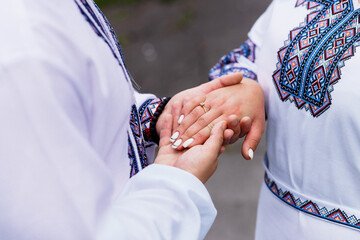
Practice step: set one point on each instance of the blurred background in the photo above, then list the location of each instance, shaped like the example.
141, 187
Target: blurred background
169, 46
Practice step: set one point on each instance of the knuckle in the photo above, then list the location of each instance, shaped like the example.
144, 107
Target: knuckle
201, 136
253, 142
187, 99
193, 115
201, 121
189, 132
186, 136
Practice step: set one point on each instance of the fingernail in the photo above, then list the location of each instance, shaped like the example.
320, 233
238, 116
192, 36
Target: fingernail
235, 123
181, 118
223, 125
174, 137
188, 142
248, 125
176, 144
251, 153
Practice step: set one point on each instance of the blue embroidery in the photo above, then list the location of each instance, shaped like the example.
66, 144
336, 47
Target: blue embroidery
309, 207
230, 63
131, 154
136, 129
309, 64
113, 34
100, 31
146, 113
247, 50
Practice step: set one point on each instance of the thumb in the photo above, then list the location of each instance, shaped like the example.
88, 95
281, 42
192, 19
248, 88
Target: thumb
224, 81
215, 141
165, 130
231, 79
252, 139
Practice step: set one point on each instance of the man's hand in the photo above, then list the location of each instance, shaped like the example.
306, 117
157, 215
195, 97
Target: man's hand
200, 160
198, 93
242, 105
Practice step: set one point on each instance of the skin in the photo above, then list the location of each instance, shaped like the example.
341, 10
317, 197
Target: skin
189, 94
241, 105
176, 103
200, 160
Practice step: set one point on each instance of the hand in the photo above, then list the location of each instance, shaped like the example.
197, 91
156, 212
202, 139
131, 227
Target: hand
201, 160
242, 105
176, 103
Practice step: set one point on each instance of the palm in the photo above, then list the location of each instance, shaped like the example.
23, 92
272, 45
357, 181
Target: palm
201, 160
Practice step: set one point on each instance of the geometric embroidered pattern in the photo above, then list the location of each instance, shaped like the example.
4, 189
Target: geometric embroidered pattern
231, 63
134, 168
113, 34
310, 62
309, 207
98, 28
146, 113
136, 129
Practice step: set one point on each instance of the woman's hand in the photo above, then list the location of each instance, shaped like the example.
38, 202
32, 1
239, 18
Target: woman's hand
175, 104
201, 160
241, 105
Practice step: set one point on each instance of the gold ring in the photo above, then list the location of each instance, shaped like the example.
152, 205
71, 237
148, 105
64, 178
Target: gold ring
202, 104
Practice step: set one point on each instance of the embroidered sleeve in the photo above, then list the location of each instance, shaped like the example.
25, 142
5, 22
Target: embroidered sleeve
240, 60
149, 111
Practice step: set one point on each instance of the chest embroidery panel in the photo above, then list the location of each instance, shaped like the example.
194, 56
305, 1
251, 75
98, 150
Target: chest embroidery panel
310, 62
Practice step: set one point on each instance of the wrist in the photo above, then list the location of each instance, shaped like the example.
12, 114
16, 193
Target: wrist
154, 136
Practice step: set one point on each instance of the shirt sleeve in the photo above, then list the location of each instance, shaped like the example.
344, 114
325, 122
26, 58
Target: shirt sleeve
243, 59
55, 185
185, 212
147, 105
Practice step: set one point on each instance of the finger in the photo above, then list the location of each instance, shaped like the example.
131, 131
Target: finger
191, 111
228, 134
200, 137
189, 106
182, 137
234, 125
188, 121
222, 149
214, 143
223, 81
175, 111
196, 121
245, 126
165, 131
252, 139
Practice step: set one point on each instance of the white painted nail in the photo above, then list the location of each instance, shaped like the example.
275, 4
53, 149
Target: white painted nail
188, 142
174, 137
181, 118
251, 153
176, 144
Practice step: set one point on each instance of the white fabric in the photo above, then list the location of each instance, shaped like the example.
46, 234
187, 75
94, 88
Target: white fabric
315, 158
292, 224
64, 167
